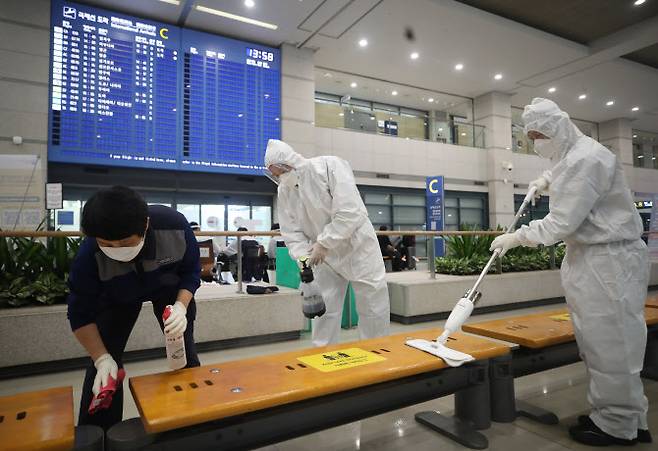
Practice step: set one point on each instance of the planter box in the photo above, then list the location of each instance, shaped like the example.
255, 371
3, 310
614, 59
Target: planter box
416, 298
34, 335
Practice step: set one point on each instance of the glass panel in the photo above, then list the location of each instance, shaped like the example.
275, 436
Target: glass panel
237, 216
212, 217
409, 200
471, 217
421, 246
451, 218
654, 157
409, 215
191, 213
450, 202
466, 202
376, 198
329, 115
261, 218
379, 214
68, 218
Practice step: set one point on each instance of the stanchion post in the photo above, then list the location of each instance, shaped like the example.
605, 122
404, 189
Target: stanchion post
240, 265
430, 257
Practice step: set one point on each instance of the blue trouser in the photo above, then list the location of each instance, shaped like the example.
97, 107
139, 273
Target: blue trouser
115, 322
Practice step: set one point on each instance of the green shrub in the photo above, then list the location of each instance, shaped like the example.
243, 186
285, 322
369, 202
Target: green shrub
34, 271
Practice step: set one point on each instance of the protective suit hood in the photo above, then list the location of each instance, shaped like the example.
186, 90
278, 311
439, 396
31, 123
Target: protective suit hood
279, 152
545, 117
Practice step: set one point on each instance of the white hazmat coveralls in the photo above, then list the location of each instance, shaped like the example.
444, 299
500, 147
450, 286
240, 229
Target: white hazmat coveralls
605, 272
325, 207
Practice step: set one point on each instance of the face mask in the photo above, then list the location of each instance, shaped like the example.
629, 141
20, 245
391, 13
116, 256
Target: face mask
289, 179
122, 254
544, 148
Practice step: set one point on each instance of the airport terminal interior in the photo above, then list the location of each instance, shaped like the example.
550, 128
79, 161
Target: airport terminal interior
328, 224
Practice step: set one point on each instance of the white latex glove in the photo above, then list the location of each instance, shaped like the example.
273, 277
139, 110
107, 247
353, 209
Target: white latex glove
177, 321
541, 184
504, 243
318, 255
105, 367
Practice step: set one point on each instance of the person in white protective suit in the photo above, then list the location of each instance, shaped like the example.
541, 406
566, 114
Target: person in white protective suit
605, 272
322, 216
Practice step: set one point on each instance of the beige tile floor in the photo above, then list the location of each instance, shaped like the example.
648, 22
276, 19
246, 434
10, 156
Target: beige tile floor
561, 390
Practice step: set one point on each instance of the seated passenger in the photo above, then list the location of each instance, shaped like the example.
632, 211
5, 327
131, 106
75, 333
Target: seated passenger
388, 250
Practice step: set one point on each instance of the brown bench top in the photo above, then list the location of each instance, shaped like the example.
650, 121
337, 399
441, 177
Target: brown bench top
652, 301
537, 330
38, 420
176, 399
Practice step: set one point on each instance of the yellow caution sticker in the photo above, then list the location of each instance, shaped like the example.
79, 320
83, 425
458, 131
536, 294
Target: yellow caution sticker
341, 359
562, 317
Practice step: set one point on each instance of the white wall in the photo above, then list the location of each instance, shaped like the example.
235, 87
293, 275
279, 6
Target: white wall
24, 61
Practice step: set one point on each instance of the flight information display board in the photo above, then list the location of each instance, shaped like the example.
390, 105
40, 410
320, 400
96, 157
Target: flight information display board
137, 93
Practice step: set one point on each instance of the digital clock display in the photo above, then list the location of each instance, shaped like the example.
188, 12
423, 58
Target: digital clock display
260, 54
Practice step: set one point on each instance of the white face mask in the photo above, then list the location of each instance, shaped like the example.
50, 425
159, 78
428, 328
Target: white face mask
122, 254
545, 148
289, 179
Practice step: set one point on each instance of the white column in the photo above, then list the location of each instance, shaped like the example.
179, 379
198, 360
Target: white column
617, 135
493, 111
297, 99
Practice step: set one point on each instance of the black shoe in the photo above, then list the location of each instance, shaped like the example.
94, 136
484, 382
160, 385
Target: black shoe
590, 434
643, 435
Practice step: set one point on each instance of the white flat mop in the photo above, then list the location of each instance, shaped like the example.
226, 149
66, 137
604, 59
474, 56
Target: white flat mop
464, 307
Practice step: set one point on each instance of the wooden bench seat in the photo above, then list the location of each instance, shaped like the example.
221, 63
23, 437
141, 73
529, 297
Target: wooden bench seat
38, 420
538, 330
173, 400
652, 301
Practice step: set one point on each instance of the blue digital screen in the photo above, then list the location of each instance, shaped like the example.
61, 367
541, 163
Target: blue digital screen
64, 217
132, 92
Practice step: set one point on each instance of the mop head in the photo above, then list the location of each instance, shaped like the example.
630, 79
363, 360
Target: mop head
450, 356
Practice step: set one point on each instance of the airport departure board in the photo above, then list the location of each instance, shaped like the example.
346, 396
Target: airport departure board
132, 92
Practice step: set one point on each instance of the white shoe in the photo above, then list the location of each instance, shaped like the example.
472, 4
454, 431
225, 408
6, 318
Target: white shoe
227, 277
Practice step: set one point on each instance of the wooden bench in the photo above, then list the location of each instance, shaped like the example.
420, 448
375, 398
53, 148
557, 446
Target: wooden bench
546, 340
262, 400
38, 420
652, 301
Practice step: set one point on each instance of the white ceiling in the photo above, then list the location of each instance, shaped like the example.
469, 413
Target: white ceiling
446, 33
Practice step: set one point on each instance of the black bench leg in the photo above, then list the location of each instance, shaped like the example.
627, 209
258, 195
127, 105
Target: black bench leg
128, 435
472, 411
89, 438
501, 383
650, 370
527, 410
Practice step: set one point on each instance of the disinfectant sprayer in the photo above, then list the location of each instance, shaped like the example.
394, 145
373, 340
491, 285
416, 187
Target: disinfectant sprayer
312, 303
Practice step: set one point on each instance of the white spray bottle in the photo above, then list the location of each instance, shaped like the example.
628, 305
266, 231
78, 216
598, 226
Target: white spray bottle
175, 345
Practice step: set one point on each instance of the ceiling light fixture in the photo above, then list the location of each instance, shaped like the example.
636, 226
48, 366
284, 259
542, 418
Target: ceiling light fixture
247, 20
552, 89
582, 97
327, 75
171, 2
634, 136
414, 55
459, 66
363, 43
610, 103
249, 3
463, 134
430, 100
635, 108
341, 114
639, 2
353, 84
394, 93
498, 77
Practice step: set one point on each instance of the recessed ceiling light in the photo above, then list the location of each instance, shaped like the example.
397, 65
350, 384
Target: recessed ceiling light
582, 97
498, 77
394, 93
327, 75
640, 156
463, 134
440, 129
249, 3
217, 12
414, 55
552, 89
171, 2
639, 2
341, 114
430, 100
635, 108
363, 43
353, 84
610, 103
634, 136
459, 66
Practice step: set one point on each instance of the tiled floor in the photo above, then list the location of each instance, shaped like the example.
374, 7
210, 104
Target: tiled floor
562, 391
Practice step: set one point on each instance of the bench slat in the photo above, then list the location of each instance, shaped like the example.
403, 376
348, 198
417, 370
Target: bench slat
176, 399
538, 330
38, 420
652, 301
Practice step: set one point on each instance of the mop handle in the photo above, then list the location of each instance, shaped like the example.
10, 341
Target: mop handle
528, 198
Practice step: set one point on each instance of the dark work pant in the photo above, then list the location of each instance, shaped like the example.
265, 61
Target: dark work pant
115, 322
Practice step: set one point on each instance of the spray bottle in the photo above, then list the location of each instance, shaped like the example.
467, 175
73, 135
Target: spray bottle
175, 345
312, 303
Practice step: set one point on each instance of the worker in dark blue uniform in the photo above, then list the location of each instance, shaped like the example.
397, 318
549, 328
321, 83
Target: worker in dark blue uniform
132, 253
